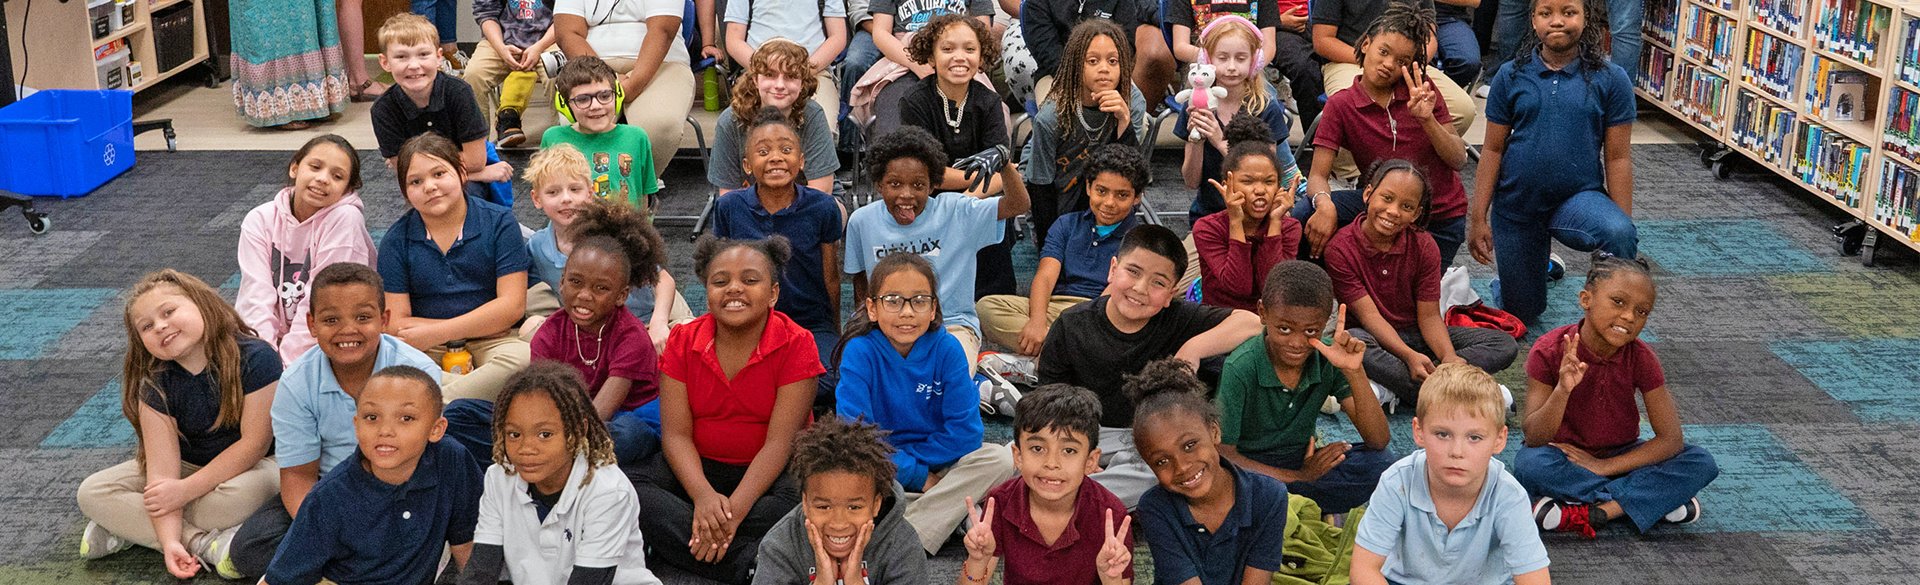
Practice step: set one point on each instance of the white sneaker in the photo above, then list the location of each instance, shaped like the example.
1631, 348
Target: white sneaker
1016, 368
218, 554
1507, 395
1483, 91
1331, 406
1388, 400
96, 542
1685, 514
997, 395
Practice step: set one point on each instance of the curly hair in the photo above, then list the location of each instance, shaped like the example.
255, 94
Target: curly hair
582, 71
1297, 283
1121, 160
776, 56
1591, 46
1381, 170
555, 163
1068, 88
1408, 20
906, 142
1061, 407
1243, 128
777, 250
920, 48
585, 433
1165, 386
221, 330
832, 444
626, 233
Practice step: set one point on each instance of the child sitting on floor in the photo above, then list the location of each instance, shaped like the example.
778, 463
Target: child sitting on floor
1239, 244
312, 223
562, 189
1232, 45
1584, 458
851, 528
1094, 103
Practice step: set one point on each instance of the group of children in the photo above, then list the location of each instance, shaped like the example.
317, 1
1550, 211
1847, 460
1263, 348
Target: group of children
466, 402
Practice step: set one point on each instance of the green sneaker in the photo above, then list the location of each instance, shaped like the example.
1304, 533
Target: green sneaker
96, 542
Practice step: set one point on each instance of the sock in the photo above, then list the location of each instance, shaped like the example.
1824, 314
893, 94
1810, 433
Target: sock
1596, 516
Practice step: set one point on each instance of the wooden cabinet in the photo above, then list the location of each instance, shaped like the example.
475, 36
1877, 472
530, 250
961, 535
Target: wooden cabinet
54, 44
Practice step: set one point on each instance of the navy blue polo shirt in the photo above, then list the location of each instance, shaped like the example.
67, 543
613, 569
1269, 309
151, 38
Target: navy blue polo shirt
450, 112
812, 221
1083, 254
444, 286
1559, 119
1253, 534
354, 528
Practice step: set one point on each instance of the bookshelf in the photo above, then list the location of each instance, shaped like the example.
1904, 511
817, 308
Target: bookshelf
146, 42
1824, 93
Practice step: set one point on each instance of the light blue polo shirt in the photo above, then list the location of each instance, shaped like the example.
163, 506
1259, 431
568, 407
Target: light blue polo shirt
1496, 540
313, 417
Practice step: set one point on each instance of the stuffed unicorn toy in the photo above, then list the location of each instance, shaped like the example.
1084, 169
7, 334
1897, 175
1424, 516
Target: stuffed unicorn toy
1200, 92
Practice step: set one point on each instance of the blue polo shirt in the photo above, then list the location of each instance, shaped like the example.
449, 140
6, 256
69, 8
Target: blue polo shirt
444, 286
1495, 541
354, 528
812, 221
1252, 535
313, 417
1083, 254
1560, 119
547, 264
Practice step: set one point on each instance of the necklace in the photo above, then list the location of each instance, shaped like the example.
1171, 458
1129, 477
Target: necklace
1091, 129
959, 111
599, 348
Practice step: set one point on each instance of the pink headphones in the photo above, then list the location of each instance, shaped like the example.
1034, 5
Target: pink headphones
1259, 54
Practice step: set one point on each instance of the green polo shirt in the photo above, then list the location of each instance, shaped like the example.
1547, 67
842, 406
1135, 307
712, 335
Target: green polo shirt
1264, 419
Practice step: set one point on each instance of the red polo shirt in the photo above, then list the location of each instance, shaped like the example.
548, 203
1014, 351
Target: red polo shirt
1354, 122
1232, 274
1071, 559
1397, 279
730, 416
1601, 413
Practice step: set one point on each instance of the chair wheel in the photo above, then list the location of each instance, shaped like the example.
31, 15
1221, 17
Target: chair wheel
39, 225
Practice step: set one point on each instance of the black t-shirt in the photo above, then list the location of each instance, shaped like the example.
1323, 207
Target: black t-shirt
1263, 13
983, 124
1046, 24
451, 112
1445, 13
1084, 349
1352, 16
194, 400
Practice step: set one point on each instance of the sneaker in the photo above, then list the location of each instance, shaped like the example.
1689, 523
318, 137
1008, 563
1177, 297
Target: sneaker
1389, 401
1483, 91
1556, 268
1556, 516
997, 395
507, 126
218, 555
1016, 368
96, 542
1331, 406
453, 63
1685, 514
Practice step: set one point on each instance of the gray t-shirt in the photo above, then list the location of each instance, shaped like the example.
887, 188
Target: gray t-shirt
729, 148
910, 15
799, 21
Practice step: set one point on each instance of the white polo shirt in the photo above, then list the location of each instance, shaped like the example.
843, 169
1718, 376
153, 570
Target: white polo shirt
593, 525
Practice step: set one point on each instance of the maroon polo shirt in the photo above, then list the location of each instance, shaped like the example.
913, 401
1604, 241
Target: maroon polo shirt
1071, 559
1232, 273
1354, 122
1397, 280
1601, 414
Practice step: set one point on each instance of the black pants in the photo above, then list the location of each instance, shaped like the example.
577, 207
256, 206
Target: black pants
993, 274
1048, 205
666, 517
255, 543
1294, 59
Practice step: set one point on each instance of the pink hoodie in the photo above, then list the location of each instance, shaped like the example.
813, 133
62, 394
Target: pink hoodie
279, 256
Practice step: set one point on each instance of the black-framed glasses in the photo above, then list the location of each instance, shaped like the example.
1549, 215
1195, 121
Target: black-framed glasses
898, 304
604, 96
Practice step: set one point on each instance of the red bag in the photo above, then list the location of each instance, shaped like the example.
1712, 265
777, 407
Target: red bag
1478, 314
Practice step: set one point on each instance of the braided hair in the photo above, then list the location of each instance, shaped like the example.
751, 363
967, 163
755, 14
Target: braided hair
1405, 19
1068, 88
1607, 266
585, 433
1591, 46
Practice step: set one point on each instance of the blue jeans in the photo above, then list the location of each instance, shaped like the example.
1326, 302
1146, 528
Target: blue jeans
444, 14
1586, 221
1449, 234
861, 55
1459, 54
1515, 24
470, 423
1645, 494
1347, 485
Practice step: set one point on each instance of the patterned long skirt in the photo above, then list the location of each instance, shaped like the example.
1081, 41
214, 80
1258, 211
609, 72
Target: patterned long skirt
287, 62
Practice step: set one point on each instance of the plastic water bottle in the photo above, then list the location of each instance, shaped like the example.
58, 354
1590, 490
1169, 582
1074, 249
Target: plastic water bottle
710, 89
457, 360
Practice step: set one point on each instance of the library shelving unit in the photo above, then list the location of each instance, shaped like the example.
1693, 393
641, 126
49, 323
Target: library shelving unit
107, 44
1825, 93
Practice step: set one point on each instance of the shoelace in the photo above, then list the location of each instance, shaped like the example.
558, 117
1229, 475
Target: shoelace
1574, 518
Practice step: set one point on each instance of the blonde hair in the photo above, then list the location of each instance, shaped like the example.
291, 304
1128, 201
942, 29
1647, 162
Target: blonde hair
1465, 388
1255, 102
774, 56
220, 334
407, 28
557, 163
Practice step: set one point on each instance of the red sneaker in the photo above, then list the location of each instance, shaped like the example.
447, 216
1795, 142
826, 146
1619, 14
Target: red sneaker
1557, 516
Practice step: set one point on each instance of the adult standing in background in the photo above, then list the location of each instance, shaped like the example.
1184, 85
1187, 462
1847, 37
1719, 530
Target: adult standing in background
640, 39
287, 67
353, 43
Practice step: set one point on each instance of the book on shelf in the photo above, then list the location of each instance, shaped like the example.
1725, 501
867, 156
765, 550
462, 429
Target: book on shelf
1700, 94
1829, 162
1836, 92
1907, 63
1897, 204
1655, 64
1787, 16
1772, 64
1762, 126
1852, 28
1902, 136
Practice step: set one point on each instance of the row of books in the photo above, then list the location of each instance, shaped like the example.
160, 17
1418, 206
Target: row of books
1907, 63
1897, 205
1772, 64
1662, 20
1655, 64
1833, 164
1710, 37
1837, 93
1699, 93
1903, 123
1763, 126
1787, 16
1852, 28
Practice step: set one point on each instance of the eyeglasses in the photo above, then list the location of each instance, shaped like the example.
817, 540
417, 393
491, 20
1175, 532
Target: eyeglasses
604, 96
898, 304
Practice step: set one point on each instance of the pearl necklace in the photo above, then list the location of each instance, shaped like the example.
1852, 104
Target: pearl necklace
600, 345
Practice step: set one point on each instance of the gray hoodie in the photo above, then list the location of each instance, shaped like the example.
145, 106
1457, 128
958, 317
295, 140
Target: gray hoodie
893, 555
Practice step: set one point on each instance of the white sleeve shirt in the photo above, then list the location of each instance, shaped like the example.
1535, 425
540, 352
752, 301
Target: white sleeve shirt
592, 525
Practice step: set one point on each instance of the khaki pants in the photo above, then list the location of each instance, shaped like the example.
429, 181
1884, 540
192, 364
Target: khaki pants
1003, 316
970, 342
487, 69
114, 498
542, 303
938, 511
661, 109
1193, 267
828, 96
1338, 76
494, 360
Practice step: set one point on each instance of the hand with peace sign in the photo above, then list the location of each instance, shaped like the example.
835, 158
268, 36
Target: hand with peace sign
1115, 556
1345, 352
980, 545
1572, 370
1235, 200
1420, 92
